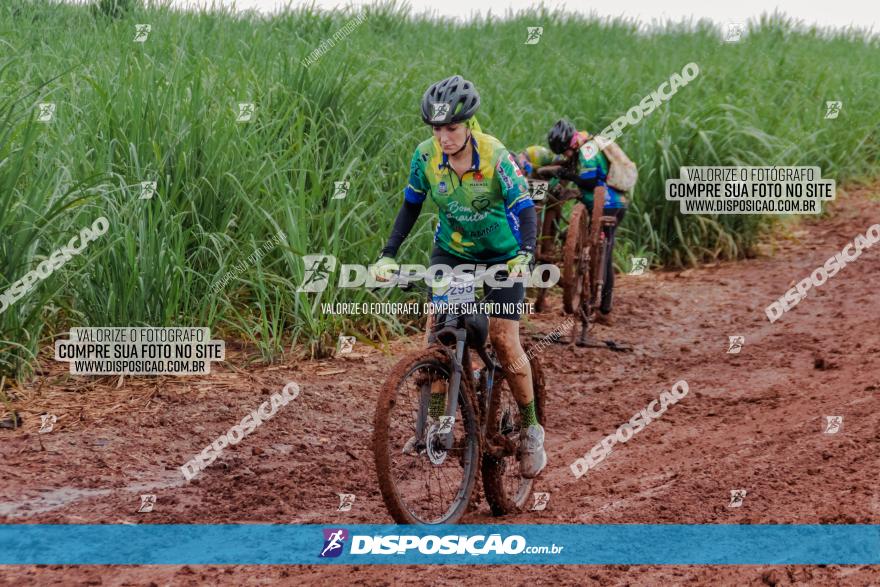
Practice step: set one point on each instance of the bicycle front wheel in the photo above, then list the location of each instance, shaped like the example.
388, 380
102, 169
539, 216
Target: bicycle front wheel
421, 481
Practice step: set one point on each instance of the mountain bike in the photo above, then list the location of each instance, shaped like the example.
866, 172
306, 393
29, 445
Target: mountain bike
585, 257
441, 423
552, 223
585, 251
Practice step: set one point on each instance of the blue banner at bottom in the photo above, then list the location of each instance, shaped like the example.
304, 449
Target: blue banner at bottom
262, 544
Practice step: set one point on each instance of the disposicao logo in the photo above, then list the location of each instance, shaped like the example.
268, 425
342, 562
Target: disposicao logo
334, 540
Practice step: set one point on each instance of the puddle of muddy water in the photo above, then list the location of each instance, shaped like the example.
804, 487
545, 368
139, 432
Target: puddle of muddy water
56, 498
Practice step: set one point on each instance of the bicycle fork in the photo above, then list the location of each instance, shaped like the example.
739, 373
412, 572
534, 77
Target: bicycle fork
454, 386
446, 436
602, 276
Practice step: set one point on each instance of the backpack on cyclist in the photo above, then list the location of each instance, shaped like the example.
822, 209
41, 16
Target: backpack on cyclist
622, 172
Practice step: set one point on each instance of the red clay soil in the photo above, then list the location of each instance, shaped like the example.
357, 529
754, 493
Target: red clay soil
751, 421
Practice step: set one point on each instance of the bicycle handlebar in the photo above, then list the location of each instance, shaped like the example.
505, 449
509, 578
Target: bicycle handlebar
408, 281
424, 275
547, 171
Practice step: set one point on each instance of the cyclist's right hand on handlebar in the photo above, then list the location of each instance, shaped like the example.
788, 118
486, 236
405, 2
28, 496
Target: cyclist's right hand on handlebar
384, 269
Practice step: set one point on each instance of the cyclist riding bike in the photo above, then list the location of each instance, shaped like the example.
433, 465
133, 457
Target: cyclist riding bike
588, 170
485, 217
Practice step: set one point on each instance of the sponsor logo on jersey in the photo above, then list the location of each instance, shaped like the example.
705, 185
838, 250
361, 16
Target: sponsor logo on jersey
480, 203
479, 183
589, 150
505, 179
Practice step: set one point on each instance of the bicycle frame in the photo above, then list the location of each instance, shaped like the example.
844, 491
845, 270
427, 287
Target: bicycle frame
461, 364
549, 217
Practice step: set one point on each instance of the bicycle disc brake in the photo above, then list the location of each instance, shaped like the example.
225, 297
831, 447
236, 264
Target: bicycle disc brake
434, 441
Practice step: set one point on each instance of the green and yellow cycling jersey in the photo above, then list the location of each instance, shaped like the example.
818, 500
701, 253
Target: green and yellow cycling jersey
535, 156
479, 212
592, 165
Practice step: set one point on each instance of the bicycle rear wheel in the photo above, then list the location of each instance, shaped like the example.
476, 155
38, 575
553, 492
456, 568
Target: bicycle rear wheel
572, 259
506, 491
427, 484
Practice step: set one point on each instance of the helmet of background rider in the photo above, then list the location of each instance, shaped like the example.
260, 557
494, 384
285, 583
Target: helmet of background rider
559, 137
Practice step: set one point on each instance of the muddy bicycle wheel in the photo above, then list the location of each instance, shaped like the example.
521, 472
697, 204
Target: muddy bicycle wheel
547, 246
593, 289
421, 481
506, 491
572, 259
597, 271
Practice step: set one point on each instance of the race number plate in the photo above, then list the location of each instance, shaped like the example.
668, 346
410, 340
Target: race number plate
460, 290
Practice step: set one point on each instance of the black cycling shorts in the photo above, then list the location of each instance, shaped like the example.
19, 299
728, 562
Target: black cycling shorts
505, 301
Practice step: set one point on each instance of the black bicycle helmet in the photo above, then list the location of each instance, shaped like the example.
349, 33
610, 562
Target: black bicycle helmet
451, 100
560, 136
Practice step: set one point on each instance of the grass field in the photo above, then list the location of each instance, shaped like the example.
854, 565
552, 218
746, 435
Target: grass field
165, 110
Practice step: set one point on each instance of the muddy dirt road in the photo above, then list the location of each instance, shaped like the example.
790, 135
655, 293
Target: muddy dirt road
752, 420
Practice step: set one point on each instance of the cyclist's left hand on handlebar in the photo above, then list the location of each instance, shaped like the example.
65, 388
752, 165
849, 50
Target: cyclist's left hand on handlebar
522, 264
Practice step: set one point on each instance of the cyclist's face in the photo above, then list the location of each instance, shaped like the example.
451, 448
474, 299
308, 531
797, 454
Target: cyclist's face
450, 136
568, 153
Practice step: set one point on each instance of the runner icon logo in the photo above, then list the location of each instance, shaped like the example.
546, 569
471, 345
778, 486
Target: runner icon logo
833, 424
639, 266
734, 32
346, 344
832, 109
317, 272
346, 500
445, 426
735, 344
334, 538
438, 111
47, 423
148, 190
245, 112
47, 111
736, 498
534, 35
340, 190
141, 32
538, 189
541, 501
147, 504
